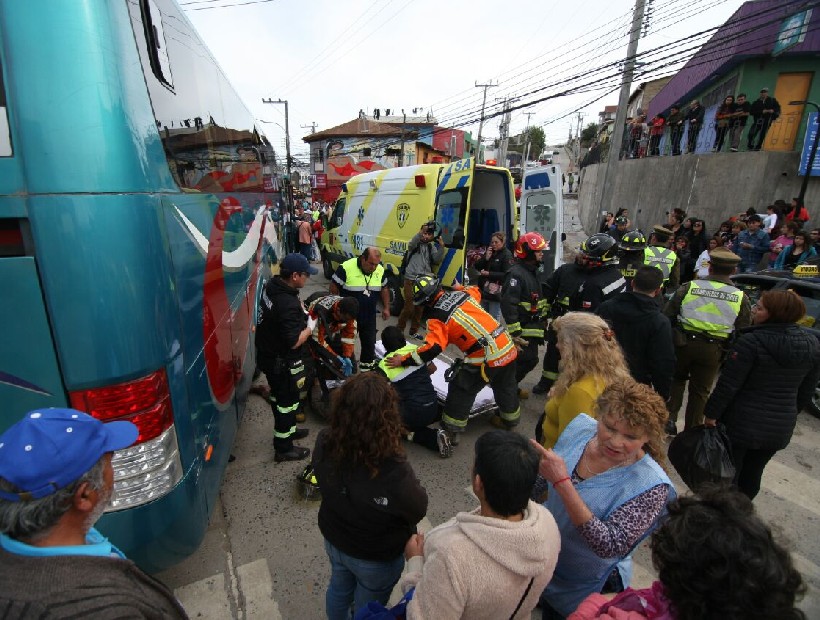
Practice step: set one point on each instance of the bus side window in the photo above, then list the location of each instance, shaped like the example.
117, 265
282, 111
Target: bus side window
155, 36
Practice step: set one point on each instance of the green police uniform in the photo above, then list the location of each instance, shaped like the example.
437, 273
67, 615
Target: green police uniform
705, 314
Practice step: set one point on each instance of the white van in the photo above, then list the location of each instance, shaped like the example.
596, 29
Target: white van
541, 210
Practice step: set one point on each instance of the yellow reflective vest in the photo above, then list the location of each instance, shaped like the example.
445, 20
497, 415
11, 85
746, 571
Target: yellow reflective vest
662, 258
710, 308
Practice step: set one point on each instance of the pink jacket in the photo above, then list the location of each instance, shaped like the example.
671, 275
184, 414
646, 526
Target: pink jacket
648, 604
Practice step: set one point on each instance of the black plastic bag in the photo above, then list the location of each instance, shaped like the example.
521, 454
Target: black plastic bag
702, 454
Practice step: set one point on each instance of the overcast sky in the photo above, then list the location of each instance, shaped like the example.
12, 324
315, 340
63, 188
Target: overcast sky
332, 59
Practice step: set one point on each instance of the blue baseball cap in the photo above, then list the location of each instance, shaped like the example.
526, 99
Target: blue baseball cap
297, 262
51, 448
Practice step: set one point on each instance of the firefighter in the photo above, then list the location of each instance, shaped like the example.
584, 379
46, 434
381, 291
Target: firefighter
335, 318
581, 287
632, 254
522, 305
364, 279
704, 314
282, 354
456, 317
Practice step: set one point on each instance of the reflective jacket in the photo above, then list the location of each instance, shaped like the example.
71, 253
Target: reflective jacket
710, 308
412, 383
523, 307
662, 258
457, 318
596, 287
367, 288
324, 309
560, 285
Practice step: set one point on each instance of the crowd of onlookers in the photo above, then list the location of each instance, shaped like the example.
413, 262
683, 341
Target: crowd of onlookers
683, 126
775, 239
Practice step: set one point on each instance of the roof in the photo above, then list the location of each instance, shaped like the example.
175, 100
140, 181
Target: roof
354, 128
752, 31
610, 108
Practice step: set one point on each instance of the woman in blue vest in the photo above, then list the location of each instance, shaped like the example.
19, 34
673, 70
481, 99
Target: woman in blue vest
607, 490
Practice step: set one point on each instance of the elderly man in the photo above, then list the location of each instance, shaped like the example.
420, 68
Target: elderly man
56, 480
364, 279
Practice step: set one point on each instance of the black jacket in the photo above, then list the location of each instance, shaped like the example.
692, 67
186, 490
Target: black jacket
645, 335
519, 303
768, 377
283, 319
368, 518
497, 265
597, 286
560, 285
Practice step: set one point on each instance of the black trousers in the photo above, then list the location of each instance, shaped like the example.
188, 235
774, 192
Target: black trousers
367, 336
467, 383
288, 381
749, 466
551, 356
526, 361
675, 135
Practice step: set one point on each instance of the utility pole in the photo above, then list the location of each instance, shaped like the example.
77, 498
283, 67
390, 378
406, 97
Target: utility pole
607, 189
578, 141
504, 129
312, 126
526, 146
289, 194
401, 152
481, 124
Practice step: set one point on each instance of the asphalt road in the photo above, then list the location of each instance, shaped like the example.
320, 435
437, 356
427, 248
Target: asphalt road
263, 555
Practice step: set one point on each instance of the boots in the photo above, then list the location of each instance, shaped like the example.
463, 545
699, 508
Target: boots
543, 386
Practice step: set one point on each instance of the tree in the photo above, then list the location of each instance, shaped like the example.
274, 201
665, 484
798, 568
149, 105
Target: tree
588, 134
535, 137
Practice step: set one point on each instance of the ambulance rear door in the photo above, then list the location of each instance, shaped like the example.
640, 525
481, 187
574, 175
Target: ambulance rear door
452, 214
542, 211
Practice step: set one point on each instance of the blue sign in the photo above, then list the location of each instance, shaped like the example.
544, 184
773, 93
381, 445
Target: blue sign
808, 140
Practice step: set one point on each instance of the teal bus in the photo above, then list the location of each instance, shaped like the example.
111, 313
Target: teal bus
135, 195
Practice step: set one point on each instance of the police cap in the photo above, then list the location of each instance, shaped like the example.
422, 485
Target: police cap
723, 257
662, 231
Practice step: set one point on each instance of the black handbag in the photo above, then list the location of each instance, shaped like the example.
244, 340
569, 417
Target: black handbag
703, 454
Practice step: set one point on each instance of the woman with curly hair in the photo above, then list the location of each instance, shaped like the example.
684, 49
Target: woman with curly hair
607, 489
591, 360
371, 498
716, 560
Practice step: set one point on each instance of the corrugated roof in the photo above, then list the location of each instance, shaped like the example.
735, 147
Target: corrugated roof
751, 31
354, 128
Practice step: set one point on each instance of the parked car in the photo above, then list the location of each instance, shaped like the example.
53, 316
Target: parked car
805, 281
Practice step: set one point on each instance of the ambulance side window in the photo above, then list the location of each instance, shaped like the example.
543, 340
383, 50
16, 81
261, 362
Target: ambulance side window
451, 211
338, 216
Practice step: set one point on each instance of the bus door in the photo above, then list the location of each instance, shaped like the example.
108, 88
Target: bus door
542, 211
452, 214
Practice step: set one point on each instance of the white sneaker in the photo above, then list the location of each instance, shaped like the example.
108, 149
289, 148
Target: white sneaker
445, 446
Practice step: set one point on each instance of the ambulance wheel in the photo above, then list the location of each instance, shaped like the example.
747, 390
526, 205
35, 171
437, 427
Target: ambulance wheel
396, 298
327, 268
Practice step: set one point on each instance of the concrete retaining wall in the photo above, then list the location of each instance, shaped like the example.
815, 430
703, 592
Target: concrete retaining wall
712, 187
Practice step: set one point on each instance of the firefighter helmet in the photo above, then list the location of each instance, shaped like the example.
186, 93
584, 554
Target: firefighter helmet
633, 240
308, 484
425, 288
528, 244
599, 249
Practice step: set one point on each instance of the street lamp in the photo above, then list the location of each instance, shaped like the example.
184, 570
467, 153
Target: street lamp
812, 153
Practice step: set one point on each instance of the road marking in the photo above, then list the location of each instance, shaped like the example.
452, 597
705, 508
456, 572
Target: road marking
256, 586
792, 486
806, 438
206, 598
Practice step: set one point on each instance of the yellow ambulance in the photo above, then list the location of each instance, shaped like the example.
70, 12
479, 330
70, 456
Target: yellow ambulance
386, 208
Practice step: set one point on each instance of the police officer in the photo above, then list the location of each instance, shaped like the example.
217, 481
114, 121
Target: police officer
595, 279
456, 317
632, 247
364, 279
705, 313
665, 259
522, 305
282, 355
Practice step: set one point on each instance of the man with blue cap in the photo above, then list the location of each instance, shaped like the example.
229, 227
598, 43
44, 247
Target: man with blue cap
56, 480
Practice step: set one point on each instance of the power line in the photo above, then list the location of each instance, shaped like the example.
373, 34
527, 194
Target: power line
223, 6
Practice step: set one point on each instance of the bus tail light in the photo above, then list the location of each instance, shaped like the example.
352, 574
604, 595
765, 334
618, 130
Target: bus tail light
151, 467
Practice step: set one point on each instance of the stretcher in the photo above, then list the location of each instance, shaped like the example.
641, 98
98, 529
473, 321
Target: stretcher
484, 400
